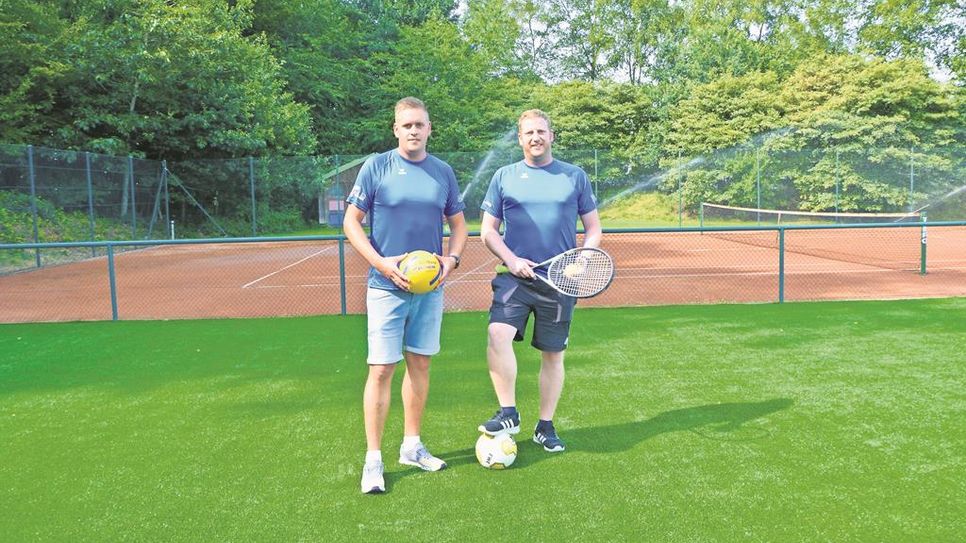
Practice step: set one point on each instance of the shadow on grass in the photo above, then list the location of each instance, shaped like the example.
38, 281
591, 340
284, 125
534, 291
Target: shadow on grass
725, 421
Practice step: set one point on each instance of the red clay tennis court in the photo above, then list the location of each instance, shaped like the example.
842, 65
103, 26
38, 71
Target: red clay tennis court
288, 278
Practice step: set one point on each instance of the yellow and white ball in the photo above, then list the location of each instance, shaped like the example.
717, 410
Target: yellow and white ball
423, 271
496, 452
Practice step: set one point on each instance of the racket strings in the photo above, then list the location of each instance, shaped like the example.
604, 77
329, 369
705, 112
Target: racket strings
581, 273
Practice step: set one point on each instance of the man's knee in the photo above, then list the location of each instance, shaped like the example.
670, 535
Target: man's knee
381, 373
500, 334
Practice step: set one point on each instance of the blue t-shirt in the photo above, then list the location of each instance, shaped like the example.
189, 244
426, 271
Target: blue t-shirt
539, 207
407, 203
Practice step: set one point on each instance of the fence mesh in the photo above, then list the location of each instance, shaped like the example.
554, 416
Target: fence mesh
324, 275
49, 195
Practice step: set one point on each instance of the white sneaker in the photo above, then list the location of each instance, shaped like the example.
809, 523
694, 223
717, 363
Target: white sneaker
418, 456
372, 479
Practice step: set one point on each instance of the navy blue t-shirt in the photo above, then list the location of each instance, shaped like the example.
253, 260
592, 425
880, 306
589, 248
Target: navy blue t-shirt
407, 203
539, 207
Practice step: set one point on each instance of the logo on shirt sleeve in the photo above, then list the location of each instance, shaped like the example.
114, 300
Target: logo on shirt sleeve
356, 193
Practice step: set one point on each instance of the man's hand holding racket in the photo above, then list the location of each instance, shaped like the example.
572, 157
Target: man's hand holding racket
522, 268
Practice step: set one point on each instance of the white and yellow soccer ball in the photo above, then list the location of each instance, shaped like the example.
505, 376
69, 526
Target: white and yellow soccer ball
423, 271
496, 452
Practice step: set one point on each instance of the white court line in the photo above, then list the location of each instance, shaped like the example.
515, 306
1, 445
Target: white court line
461, 279
623, 274
313, 255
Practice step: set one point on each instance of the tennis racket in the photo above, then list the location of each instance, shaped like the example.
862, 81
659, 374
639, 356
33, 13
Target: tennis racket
582, 273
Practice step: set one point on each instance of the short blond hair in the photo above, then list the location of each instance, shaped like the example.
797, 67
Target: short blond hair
533, 114
410, 102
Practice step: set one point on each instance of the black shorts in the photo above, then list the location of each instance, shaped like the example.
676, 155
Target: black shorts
513, 301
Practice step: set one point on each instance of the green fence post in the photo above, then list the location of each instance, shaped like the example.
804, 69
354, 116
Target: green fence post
33, 199
134, 209
781, 264
596, 192
758, 181
837, 181
90, 199
912, 178
922, 247
680, 194
251, 181
110, 275
342, 273
167, 199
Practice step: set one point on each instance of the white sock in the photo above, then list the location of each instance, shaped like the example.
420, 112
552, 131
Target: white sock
410, 442
373, 456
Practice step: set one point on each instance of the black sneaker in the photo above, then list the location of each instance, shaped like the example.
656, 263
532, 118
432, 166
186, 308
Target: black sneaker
501, 424
548, 438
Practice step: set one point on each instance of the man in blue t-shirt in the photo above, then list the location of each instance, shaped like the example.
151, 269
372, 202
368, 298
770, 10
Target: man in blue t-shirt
406, 192
538, 200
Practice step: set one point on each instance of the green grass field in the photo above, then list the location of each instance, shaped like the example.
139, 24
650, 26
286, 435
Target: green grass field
797, 422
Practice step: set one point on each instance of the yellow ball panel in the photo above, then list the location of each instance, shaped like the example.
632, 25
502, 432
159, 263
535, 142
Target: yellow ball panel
423, 271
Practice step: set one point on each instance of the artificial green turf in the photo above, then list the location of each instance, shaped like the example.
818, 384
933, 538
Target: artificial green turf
834, 421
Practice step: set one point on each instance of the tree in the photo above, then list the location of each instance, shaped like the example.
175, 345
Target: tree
912, 29
492, 29
323, 46
163, 80
469, 109
29, 68
840, 133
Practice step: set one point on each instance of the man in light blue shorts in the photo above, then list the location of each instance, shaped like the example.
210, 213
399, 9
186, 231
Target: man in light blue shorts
406, 192
538, 200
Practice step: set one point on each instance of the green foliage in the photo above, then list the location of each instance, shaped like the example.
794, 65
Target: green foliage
53, 223
640, 209
725, 112
613, 116
434, 62
163, 80
654, 83
840, 133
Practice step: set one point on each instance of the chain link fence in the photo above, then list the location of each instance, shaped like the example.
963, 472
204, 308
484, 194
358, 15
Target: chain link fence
311, 275
49, 195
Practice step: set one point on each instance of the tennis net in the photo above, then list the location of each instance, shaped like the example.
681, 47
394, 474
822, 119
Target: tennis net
729, 215
898, 248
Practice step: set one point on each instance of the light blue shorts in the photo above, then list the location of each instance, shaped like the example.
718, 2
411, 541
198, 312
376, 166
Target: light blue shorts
400, 321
